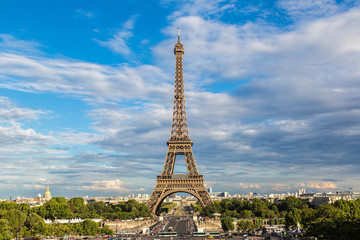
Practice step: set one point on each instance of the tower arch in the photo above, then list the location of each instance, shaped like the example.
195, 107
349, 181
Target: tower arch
188, 191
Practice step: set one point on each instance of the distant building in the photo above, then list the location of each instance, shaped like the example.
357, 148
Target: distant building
325, 198
224, 194
321, 200
173, 195
47, 195
34, 201
302, 191
219, 194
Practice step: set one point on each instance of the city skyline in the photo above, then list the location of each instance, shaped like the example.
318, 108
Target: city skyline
86, 94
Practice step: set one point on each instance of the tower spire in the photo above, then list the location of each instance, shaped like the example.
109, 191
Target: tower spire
178, 35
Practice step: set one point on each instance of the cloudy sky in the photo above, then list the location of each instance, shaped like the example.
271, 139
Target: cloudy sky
86, 91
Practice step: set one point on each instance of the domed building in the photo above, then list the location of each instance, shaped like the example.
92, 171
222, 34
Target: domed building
47, 195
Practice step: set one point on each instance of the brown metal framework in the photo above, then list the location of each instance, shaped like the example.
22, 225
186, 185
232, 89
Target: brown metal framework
179, 144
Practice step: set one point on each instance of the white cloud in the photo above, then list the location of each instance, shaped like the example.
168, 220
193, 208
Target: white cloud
248, 186
323, 185
91, 81
16, 139
200, 7
309, 8
14, 134
9, 43
34, 186
226, 52
119, 42
9, 112
108, 185
42, 180
84, 13
78, 138
280, 187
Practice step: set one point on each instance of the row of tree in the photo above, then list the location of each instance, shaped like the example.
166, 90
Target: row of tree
340, 220
59, 208
247, 225
19, 220
249, 209
167, 207
15, 223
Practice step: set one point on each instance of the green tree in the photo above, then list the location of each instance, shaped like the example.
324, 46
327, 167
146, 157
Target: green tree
197, 207
243, 225
330, 220
290, 203
41, 211
227, 224
354, 209
57, 208
62, 229
292, 218
4, 229
24, 207
98, 208
106, 230
246, 214
269, 213
5, 205
78, 207
143, 210
274, 208
253, 227
307, 217
90, 227
226, 204
342, 204
208, 210
16, 220
78, 228
258, 205
166, 207
131, 205
35, 224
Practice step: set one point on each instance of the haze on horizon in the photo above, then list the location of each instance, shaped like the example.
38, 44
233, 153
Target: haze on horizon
86, 93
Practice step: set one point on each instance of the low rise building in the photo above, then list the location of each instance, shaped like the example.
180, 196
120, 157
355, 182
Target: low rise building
35, 201
325, 198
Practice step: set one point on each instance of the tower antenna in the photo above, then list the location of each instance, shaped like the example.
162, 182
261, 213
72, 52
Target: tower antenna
178, 34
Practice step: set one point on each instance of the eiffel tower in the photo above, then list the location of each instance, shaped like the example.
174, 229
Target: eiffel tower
179, 144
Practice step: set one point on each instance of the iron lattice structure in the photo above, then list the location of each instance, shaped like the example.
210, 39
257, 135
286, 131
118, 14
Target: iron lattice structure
179, 144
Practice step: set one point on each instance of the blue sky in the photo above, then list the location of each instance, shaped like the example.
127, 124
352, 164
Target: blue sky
86, 91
